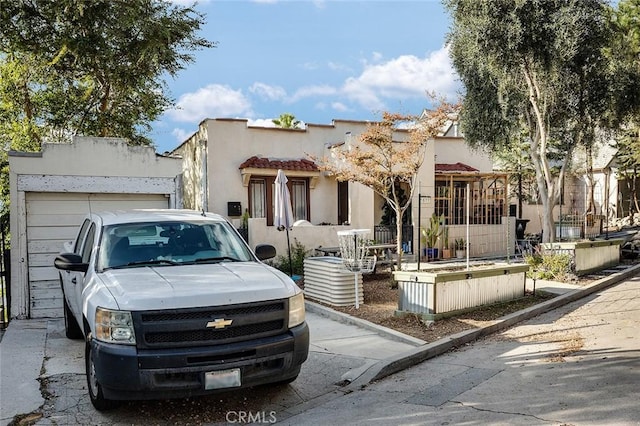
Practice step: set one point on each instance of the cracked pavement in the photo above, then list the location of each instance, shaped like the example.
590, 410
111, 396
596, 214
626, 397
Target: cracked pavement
337, 351
576, 365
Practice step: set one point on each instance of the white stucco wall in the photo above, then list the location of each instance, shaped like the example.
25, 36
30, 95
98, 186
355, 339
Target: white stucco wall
93, 156
310, 236
193, 151
450, 150
229, 142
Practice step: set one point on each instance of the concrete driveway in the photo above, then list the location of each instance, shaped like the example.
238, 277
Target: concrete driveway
43, 375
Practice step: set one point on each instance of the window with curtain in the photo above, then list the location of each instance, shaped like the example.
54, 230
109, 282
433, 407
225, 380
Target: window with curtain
257, 197
299, 199
262, 197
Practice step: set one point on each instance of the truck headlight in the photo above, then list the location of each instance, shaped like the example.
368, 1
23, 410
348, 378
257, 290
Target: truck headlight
114, 327
296, 310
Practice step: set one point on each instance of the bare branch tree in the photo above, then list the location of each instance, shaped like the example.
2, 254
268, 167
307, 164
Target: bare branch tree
380, 159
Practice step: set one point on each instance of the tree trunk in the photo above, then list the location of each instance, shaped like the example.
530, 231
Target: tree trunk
520, 194
399, 239
591, 183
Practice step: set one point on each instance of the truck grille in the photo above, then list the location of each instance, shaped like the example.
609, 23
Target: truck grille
210, 325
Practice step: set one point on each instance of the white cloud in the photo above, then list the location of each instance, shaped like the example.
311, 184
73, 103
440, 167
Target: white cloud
339, 106
261, 122
181, 135
266, 91
402, 77
212, 101
336, 66
309, 66
268, 122
319, 4
309, 91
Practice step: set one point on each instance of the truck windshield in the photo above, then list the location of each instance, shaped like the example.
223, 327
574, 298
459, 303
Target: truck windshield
170, 243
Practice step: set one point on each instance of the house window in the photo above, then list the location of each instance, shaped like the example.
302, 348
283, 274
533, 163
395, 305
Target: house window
257, 197
262, 194
299, 194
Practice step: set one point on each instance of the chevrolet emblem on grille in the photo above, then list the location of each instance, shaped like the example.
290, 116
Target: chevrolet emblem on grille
219, 323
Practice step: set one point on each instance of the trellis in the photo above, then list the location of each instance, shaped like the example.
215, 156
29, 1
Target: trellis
488, 197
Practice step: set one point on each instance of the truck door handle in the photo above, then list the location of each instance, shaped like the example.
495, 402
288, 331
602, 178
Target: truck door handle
73, 280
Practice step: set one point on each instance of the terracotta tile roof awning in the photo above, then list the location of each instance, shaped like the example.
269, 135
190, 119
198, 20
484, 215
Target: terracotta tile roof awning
269, 167
457, 167
268, 163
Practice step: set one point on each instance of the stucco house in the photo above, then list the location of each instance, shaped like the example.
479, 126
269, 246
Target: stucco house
229, 167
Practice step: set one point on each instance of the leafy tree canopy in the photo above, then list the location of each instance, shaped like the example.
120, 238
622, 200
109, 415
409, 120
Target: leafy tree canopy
96, 68
537, 66
624, 54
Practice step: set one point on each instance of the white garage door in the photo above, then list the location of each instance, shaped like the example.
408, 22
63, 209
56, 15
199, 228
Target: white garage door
52, 219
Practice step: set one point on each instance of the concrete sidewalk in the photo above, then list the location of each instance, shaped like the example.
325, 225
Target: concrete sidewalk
21, 361
32, 350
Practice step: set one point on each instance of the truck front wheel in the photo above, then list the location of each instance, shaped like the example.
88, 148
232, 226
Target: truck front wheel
98, 400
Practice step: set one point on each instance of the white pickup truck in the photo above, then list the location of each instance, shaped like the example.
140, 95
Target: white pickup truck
173, 303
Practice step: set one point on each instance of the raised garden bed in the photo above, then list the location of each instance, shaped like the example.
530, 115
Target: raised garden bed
588, 256
438, 293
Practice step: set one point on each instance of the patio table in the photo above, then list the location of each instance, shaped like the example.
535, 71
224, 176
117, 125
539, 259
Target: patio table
329, 251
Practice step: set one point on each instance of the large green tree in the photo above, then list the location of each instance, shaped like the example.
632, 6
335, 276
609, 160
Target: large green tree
537, 66
96, 68
625, 59
624, 56
628, 164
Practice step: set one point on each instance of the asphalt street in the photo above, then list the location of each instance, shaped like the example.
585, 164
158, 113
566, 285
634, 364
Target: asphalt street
576, 365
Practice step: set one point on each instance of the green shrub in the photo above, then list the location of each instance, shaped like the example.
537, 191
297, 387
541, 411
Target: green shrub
298, 253
548, 266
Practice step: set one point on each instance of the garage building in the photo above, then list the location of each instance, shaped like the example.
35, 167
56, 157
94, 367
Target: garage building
53, 189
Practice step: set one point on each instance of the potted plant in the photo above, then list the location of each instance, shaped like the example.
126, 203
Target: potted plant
430, 236
460, 247
446, 251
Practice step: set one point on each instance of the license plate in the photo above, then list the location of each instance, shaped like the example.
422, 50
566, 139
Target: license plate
222, 379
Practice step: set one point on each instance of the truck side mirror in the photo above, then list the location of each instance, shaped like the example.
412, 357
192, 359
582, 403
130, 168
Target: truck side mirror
265, 251
70, 262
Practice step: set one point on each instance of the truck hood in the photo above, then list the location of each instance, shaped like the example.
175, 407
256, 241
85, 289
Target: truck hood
185, 286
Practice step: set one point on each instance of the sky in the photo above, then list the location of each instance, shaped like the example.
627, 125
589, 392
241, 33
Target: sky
318, 60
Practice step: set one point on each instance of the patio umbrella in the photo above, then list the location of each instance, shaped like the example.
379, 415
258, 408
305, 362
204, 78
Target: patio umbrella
283, 215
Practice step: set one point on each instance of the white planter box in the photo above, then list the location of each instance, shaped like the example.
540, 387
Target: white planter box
437, 293
589, 256
326, 280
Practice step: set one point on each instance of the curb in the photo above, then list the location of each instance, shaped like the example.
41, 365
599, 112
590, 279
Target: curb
415, 356
368, 325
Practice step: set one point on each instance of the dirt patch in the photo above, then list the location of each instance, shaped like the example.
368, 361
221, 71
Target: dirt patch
381, 302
